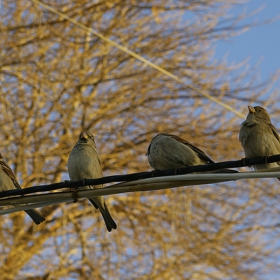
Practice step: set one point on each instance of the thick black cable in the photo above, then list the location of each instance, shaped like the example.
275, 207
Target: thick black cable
142, 175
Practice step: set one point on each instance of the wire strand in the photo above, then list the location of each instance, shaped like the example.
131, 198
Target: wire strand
139, 57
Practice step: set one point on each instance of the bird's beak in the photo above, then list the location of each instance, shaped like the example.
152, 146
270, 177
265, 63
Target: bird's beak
251, 109
83, 135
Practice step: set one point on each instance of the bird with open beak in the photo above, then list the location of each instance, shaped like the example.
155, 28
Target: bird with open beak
258, 137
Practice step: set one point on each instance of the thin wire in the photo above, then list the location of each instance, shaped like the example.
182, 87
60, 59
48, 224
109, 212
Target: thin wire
35, 205
139, 57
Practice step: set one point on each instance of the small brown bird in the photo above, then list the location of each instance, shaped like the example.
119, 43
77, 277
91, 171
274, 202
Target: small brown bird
168, 151
258, 136
84, 163
8, 181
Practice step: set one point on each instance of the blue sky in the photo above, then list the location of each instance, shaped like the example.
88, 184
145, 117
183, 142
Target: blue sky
261, 44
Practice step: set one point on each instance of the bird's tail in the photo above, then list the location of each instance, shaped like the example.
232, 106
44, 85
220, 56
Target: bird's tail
110, 223
35, 216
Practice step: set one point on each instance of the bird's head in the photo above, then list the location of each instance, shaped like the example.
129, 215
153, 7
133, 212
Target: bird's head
85, 137
258, 112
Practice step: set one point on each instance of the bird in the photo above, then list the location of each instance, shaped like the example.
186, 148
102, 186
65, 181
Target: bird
8, 181
167, 151
84, 163
259, 137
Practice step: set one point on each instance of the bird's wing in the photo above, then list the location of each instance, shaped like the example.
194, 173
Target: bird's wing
10, 173
274, 131
200, 153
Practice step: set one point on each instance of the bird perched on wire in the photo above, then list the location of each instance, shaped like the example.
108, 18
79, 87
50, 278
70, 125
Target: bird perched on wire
84, 163
258, 137
168, 151
8, 181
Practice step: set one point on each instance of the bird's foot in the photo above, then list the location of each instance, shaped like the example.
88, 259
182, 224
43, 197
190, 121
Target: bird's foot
177, 170
74, 194
244, 161
155, 173
265, 160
